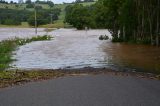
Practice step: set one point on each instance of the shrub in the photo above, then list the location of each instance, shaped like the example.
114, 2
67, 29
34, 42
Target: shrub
30, 6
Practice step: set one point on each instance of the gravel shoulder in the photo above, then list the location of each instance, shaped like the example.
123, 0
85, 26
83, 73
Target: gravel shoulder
85, 90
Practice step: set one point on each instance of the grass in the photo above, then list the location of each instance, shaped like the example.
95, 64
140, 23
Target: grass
87, 3
23, 25
21, 6
7, 46
10, 78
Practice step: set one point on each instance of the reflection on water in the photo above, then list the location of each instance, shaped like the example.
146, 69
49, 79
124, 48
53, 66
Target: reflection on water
77, 49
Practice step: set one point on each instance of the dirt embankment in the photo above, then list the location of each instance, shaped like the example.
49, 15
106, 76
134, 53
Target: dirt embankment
11, 78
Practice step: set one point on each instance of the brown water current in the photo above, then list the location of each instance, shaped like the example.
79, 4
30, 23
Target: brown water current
78, 49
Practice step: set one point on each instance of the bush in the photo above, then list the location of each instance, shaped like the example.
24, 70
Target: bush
13, 17
11, 22
40, 20
30, 6
103, 37
116, 39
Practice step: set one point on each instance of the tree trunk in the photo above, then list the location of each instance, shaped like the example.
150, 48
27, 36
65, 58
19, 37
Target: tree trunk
124, 33
157, 35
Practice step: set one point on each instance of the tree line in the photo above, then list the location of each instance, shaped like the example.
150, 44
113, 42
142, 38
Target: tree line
127, 20
5, 2
82, 1
15, 17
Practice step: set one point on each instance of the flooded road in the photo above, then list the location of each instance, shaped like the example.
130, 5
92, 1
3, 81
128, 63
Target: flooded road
7, 33
78, 49
69, 49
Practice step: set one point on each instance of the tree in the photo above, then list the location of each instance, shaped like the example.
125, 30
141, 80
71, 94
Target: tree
127, 20
50, 3
78, 1
28, 1
40, 20
11, 2
88, 0
30, 6
79, 16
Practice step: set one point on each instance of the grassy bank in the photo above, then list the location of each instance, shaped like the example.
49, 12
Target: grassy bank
11, 78
7, 46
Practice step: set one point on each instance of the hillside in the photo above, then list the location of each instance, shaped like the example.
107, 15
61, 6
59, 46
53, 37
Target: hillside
59, 23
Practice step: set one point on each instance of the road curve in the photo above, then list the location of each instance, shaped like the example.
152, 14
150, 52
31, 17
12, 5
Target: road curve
88, 90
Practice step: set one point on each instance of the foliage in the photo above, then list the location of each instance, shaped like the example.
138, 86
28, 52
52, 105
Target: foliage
13, 17
28, 1
127, 20
79, 16
43, 16
30, 6
81, 1
3, 2
103, 37
50, 3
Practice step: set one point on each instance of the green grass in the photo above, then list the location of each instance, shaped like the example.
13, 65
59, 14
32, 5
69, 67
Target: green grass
13, 6
88, 3
23, 25
7, 46
21, 6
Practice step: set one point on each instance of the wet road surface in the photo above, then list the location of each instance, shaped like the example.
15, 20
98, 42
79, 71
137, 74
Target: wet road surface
89, 90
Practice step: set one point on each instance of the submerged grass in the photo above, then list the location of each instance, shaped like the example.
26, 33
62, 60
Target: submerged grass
7, 46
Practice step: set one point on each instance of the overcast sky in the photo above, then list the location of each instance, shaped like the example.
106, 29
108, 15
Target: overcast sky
55, 1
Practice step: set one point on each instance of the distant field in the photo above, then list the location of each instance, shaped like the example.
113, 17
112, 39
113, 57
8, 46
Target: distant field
58, 24
21, 6
88, 3
13, 6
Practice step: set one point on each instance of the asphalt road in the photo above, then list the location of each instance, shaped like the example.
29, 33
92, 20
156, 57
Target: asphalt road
89, 90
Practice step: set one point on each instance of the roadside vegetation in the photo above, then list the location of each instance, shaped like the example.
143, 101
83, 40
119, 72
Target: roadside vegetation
136, 21
11, 78
8, 46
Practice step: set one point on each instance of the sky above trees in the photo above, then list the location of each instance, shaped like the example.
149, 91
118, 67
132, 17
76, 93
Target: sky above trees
55, 1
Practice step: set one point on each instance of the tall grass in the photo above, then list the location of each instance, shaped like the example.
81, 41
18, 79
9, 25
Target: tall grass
7, 46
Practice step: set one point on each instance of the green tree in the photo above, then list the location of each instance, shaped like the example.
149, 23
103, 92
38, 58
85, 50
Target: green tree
79, 16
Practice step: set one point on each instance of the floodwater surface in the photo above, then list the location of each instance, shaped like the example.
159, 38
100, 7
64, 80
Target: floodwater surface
10, 33
69, 49
78, 49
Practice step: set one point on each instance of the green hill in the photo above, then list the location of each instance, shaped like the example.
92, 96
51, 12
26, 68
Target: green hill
59, 23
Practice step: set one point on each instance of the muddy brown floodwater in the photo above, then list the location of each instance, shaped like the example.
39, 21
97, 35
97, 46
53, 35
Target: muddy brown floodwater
133, 57
78, 49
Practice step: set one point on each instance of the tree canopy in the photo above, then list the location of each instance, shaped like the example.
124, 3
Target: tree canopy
127, 20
